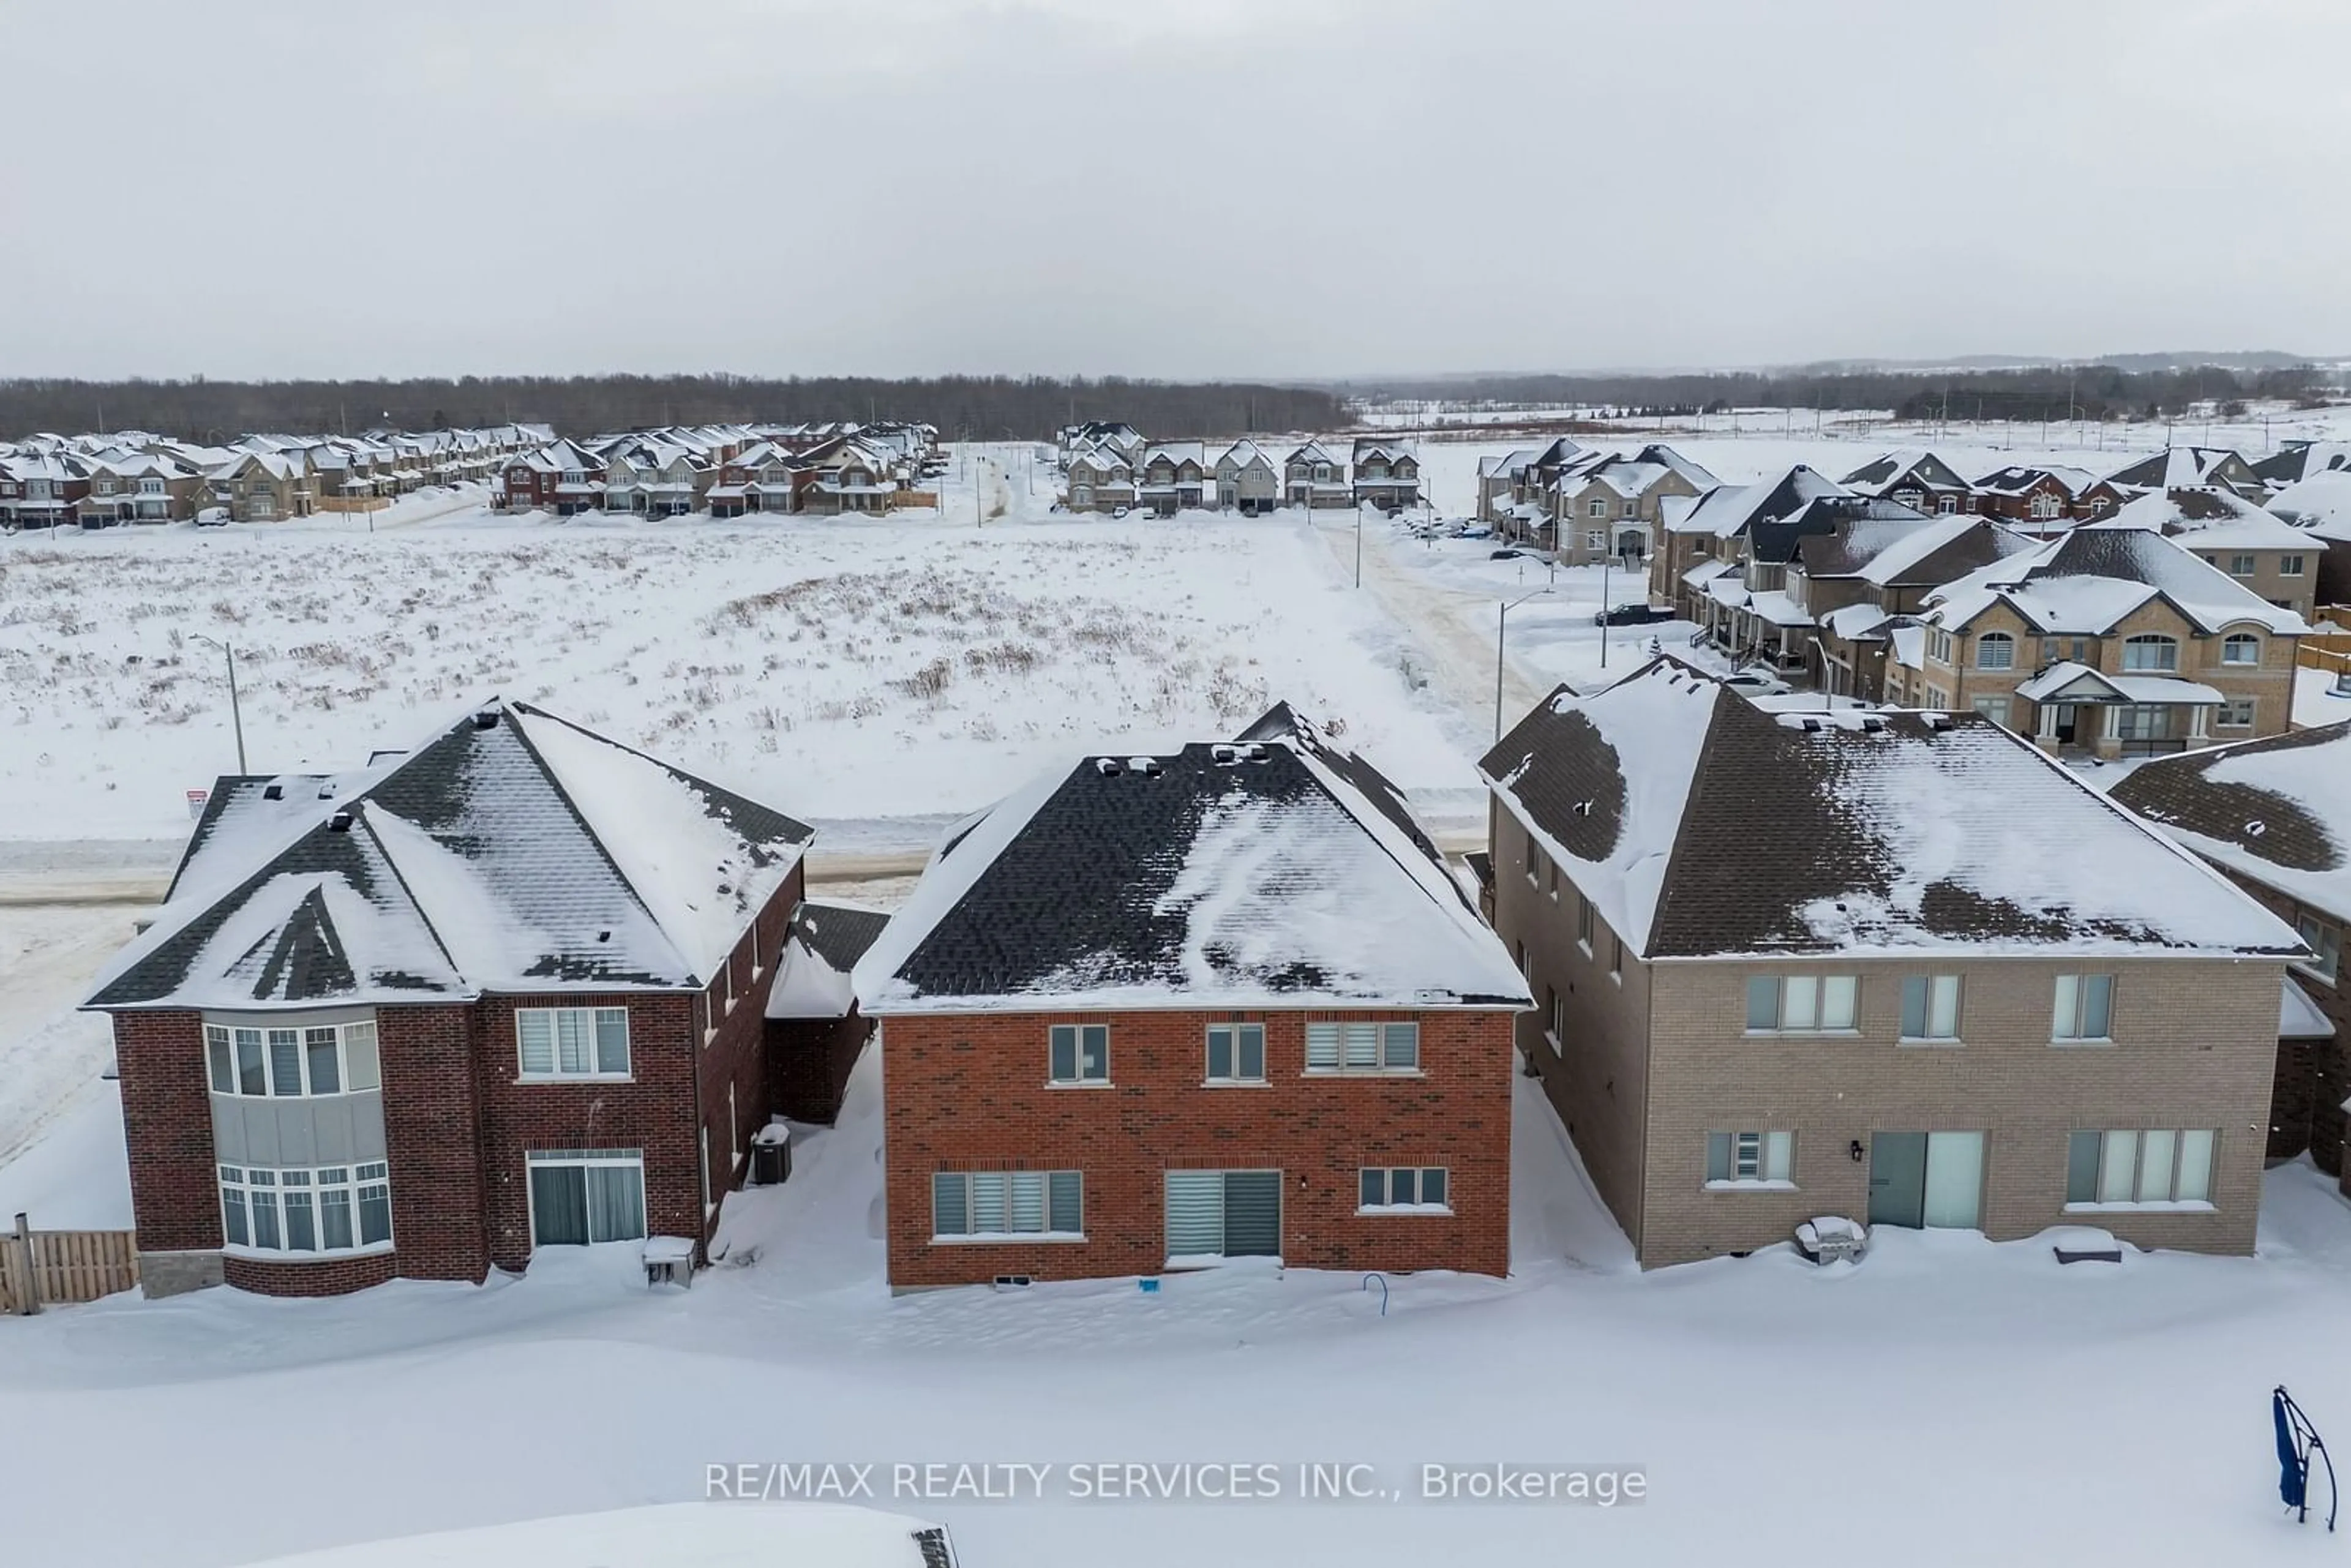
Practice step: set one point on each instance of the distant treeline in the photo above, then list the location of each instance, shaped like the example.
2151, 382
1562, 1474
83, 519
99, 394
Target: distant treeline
973, 407
2082, 391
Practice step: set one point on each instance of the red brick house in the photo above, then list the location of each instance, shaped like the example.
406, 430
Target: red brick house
501, 992
2043, 499
1164, 1012
561, 478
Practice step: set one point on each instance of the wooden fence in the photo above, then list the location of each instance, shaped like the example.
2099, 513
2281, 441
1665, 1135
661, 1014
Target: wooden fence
57, 1268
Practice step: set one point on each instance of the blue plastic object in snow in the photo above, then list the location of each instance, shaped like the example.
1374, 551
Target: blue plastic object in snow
2297, 1442
1150, 1287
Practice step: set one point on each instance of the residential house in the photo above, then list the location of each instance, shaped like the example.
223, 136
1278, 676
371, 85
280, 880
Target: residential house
1703, 572
1501, 495
850, 477
141, 487
1864, 584
2298, 460
2321, 504
2177, 468
1086, 436
1611, 507
655, 477
1174, 1011
1246, 480
1173, 477
505, 991
1916, 479
560, 477
265, 486
43, 489
764, 478
1101, 479
2265, 553
1314, 478
1899, 967
2275, 815
1387, 475
2109, 640
2045, 499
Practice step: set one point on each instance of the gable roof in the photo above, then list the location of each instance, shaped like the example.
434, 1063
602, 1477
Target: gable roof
1249, 873
2299, 460
1906, 465
2180, 467
1729, 511
2320, 503
821, 947
2277, 810
2212, 518
2088, 579
1703, 826
513, 852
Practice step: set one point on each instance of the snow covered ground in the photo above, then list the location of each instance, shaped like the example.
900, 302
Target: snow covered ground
901, 668
1973, 1402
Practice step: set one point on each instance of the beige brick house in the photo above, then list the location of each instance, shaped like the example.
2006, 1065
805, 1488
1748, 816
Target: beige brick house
2262, 552
1897, 968
1612, 505
2109, 640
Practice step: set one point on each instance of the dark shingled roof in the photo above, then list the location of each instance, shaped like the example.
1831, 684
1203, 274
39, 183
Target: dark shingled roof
837, 933
1244, 871
2280, 812
1792, 834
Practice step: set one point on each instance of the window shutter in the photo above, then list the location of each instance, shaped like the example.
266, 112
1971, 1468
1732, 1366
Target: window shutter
1321, 1045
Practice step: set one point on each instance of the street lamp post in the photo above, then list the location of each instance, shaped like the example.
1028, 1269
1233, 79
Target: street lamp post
1502, 635
235, 714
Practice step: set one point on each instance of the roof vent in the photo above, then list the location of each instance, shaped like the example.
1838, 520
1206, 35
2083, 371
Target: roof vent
1225, 756
1938, 721
1873, 727
1583, 808
1253, 752
1146, 765
327, 790
603, 936
273, 791
2256, 828
1109, 767
1811, 726
487, 719
341, 822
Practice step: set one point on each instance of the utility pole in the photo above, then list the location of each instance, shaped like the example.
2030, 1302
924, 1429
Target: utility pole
235, 713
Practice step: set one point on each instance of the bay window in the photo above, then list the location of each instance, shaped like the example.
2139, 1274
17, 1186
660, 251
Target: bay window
312, 1211
267, 1059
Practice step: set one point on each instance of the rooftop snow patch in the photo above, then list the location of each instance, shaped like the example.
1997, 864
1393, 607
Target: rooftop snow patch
2276, 811
1264, 872
1700, 826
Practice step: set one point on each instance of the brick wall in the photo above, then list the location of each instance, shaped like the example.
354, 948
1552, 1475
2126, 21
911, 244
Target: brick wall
432, 1125
167, 1126
969, 1093
2314, 1076
337, 1277
2196, 1048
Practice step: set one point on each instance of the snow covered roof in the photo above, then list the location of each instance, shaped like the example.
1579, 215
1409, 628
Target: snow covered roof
2320, 503
2206, 519
1702, 826
1273, 871
2017, 478
2068, 681
821, 947
1901, 468
1945, 548
2185, 467
512, 852
2298, 1018
2088, 579
663, 1535
1728, 511
2276, 811
2299, 460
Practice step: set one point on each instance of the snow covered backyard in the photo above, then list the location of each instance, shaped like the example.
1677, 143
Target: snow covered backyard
1978, 1403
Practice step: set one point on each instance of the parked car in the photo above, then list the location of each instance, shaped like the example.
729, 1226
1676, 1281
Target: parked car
1475, 531
212, 516
1636, 614
1758, 681
1507, 553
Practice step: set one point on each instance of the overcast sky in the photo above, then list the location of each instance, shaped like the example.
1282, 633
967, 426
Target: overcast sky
1177, 188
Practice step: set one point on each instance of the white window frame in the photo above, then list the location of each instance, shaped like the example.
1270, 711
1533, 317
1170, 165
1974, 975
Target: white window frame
1415, 1179
1361, 1048
584, 1158
2236, 640
1770, 1154
358, 1055
1939, 1017
2291, 566
1237, 1032
2235, 713
2146, 1168
1009, 1197
240, 1188
1077, 1034
2004, 643
2071, 1009
555, 1071
1586, 923
1820, 989
2155, 642
1556, 1020
1995, 709
2242, 564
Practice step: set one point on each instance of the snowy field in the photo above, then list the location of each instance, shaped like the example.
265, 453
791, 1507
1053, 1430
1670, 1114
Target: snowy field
1976, 1403
857, 670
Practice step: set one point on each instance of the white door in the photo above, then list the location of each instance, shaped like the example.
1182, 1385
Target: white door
1954, 1180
